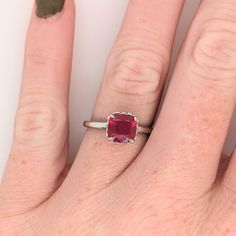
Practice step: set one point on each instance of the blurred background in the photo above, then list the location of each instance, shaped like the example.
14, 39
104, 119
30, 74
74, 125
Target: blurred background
98, 23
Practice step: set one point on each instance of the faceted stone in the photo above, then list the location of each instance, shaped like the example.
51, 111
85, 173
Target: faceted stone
122, 128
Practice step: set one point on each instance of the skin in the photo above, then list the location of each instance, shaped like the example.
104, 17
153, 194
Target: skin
177, 182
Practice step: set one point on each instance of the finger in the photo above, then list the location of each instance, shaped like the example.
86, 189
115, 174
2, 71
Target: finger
40, 143
223, 164
229, 179
132, 83
190, 133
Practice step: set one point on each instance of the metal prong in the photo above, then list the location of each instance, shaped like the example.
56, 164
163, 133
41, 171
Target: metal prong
131, 141
111, 116
110, 139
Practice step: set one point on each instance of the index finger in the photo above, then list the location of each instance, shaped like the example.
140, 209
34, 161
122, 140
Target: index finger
40, 144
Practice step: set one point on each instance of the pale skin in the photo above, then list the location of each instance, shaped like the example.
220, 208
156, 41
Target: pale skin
175, 182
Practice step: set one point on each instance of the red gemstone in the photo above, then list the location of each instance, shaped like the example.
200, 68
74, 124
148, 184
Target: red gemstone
122, 128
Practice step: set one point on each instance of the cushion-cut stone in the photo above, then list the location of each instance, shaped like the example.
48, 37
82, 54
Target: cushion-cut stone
122, 128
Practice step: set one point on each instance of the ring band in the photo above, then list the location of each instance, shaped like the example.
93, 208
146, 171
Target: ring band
103, 125
121, 127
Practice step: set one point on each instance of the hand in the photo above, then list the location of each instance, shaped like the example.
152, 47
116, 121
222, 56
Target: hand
177, 182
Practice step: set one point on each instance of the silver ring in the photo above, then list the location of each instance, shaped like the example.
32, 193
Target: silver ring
121, 127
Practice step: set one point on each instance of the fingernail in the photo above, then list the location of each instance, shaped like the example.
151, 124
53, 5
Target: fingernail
48, 8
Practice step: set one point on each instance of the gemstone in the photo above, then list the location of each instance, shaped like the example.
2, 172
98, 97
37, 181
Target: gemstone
122, 128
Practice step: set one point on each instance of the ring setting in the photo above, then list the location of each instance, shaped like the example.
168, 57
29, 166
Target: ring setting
121, 127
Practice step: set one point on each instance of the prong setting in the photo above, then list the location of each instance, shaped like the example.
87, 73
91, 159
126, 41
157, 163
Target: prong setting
122, 127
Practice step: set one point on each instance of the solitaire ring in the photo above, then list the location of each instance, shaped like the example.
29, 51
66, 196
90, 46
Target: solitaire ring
121, 127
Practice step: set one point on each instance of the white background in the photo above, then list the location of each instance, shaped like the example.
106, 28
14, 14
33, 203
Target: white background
98, 22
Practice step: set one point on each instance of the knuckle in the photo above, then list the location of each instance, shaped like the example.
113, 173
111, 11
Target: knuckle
39, 121
213, 56
137, 70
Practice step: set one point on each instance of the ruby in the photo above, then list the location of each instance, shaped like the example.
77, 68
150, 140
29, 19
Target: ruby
122, 128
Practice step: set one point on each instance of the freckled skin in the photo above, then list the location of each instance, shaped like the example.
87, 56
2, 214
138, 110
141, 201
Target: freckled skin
48, 8
23, 162
168, 187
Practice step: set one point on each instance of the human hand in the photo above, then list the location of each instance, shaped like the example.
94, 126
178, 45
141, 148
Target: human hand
177, 182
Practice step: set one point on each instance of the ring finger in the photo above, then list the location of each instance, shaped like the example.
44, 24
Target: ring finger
132, 82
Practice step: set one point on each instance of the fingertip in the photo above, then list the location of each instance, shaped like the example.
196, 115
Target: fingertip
56, 31
52, 9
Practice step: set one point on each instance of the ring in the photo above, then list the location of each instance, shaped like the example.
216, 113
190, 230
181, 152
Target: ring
121, 127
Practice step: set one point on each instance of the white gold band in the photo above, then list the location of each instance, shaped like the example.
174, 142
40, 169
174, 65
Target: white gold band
103, 125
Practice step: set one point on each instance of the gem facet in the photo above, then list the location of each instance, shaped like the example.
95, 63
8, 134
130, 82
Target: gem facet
122, 128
